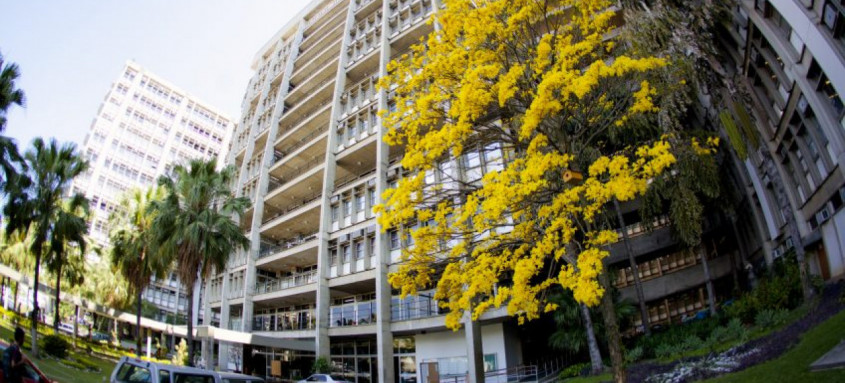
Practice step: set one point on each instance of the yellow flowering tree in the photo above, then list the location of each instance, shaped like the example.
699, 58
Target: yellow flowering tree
520, 121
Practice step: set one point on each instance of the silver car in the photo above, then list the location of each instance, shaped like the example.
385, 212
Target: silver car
324, 378
132, 370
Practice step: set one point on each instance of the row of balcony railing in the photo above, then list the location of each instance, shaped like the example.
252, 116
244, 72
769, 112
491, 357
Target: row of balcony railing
280, 246
348, 314
293, 280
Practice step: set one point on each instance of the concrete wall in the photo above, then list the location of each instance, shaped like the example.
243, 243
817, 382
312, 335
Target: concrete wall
833, 235
679, 280
447, 344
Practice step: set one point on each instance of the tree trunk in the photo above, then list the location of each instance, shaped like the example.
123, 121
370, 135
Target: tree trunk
34, 325
708, 281
2, 291
138, 324
57, 316
595, 355
611, 328
75, 324
190, 291
638, 285
15, 298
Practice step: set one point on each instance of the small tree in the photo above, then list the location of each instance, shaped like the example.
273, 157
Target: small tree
194, 225
180, 357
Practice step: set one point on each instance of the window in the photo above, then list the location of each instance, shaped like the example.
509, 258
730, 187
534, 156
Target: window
371, 194
186, 378
371, 246
346, 253
129, 373
164, 376
359, 199
359, 250
347, 208
335, 213
394, 239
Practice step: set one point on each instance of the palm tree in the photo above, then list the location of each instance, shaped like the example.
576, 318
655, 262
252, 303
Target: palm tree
34, 201
14, 252
9, 95
194, 224
131, 239
63, 260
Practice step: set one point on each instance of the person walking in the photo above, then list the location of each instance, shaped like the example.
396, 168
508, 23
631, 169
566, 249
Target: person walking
14, 359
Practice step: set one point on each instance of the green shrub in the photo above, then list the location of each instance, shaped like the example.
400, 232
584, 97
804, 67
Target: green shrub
321, 366
666, 350
89, 365
574, 370
56, 346
780, 289
771, 318
692, 342
633, 355
736, 331
718, 336
676, 335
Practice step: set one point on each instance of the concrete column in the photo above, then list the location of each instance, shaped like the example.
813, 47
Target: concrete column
264, 180
224, 301
384, 294
329, 173
223, 356
475, 352
205, 352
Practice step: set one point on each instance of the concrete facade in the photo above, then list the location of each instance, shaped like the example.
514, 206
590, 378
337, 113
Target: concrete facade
310, 159
145, 125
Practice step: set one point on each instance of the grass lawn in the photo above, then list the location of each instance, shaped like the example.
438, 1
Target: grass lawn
55, 370
794, 365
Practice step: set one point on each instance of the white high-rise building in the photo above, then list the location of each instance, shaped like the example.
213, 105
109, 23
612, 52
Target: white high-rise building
145, 125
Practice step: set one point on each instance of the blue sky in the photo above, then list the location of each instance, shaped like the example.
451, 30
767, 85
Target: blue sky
69, 52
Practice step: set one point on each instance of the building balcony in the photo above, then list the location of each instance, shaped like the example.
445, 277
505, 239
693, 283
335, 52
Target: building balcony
319, 92
363, 7
422, 305
353, 314
319, 21
330, 41
294, 173
284, 283
285, 321
285, 245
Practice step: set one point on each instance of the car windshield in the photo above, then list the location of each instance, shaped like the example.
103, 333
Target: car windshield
337, 377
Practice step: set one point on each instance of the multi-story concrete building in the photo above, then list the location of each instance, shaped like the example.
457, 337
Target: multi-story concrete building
144, 126
790, 56
311, 162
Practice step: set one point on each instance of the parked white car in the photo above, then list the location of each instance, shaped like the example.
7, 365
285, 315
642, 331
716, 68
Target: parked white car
132, 370
324, 378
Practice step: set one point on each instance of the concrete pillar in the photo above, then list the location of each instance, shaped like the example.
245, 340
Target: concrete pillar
329, 174
384, 294
223, 355
475, 352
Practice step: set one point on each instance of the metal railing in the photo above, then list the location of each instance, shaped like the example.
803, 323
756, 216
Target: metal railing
310, 165
285, 321
352, 314
293, 207
291, 281
284, 245
284, 153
